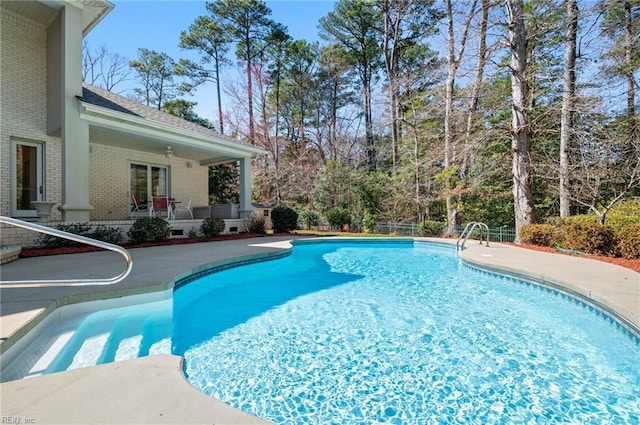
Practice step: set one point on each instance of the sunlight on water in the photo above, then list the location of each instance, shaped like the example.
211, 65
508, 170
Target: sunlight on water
351, 334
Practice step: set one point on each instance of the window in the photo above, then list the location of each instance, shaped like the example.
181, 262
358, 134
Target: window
148, 180
265, 213
26, 177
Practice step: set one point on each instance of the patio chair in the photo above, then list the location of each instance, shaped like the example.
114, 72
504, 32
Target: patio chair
138, 206
186, 208
161, 204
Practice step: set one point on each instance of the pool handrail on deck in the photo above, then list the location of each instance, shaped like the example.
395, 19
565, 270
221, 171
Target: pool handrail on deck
72, 237
468, 229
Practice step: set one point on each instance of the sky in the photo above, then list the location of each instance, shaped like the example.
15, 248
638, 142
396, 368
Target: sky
156, 25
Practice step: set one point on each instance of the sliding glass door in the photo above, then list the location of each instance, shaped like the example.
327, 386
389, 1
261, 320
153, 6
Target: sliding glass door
148, 180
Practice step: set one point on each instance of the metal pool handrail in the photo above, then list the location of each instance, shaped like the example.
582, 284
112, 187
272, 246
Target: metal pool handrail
76, 238
470, 227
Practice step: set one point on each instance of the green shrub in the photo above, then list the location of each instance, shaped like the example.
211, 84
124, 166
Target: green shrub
81, 229
308, 219
540, 235
107, 234
581, 219
102, 233
591, 238
284, 219
338, 217
557, 222
629, 241
431, 228
369, 222
623, 214
212, 227
193, 233
149, 229
257, 225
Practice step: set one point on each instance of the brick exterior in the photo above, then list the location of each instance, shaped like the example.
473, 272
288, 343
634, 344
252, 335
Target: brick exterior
23, 117
110, 187
23, 113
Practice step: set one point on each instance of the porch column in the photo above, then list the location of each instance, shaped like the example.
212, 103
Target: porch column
245, 188
74, 131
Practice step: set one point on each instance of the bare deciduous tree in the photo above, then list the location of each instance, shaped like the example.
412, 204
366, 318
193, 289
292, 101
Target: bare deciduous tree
606, 170
103, 68
453, 63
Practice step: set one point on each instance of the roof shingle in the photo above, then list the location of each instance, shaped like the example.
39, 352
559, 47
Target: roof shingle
105, 99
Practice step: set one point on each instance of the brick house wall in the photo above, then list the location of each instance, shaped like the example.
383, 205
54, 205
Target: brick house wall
110, 187
23, 113
23, 117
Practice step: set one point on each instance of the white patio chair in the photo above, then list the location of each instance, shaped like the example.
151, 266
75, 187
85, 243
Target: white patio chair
138, 206
184, 208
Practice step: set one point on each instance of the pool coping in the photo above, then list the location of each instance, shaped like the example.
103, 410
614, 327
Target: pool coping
621, 304
474, 256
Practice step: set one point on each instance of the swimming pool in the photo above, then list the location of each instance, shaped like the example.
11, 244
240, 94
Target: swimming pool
376, 333
399, 333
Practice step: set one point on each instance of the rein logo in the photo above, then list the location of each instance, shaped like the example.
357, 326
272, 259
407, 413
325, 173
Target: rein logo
17, 420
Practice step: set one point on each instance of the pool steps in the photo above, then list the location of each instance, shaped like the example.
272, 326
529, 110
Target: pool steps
127, 336
71, 336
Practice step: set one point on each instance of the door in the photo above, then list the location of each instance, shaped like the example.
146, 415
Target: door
147, 181
27, 177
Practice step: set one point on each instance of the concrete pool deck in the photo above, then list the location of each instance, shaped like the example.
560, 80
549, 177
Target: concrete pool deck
153, 389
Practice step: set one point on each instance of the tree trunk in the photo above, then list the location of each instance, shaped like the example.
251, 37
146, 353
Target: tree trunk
250, 103
389, 48
453, 64
566, 119
524, 210
477, 84
448, 116
276, 159
333, 139
220, 116
631, 92
368, 121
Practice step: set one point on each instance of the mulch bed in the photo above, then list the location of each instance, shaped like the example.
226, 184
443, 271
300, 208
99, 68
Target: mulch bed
39, 252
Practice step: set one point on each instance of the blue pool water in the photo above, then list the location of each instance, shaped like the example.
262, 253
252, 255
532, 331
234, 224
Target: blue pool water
403, 334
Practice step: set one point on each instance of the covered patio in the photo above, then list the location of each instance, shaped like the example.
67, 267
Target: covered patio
75, 153
132, 153
138, 152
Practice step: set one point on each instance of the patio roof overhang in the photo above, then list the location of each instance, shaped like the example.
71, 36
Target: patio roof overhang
123, 130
